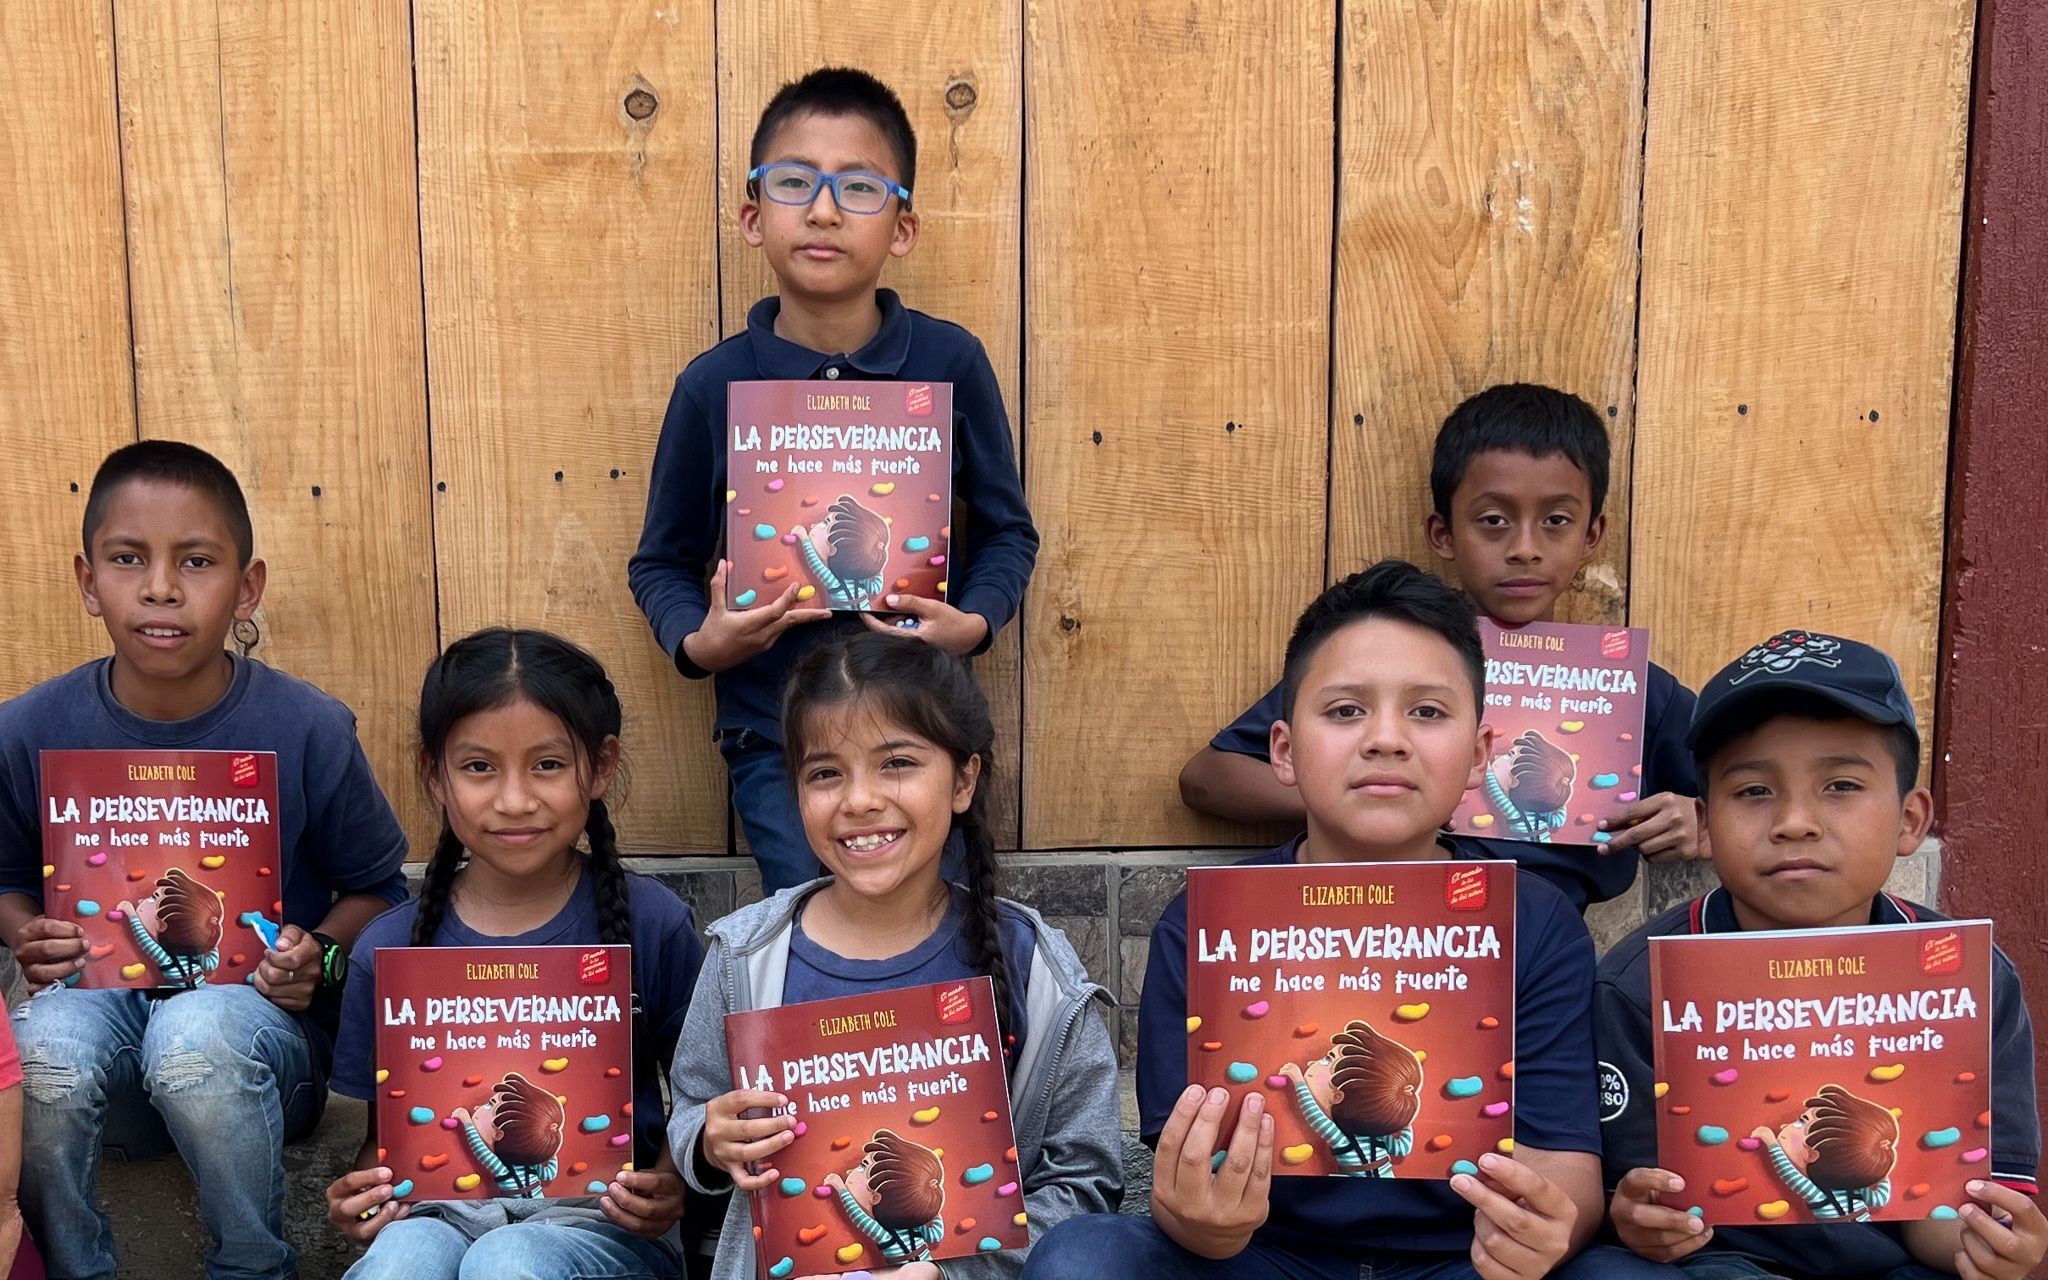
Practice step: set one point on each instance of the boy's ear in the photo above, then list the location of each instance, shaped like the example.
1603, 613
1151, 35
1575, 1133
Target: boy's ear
1699, 819
1280, 750
1915, 816
88, 587
1596, 533
965, 780
254, 578
750, 223
1482, 756
1438, 532
905, 238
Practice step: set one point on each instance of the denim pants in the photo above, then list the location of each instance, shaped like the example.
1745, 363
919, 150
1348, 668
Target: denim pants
513, 1240
219, 1074
1105, 1245
766, 804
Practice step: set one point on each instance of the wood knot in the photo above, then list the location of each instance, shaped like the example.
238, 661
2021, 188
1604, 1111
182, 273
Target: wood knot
1069, 624
641, 103
961, 96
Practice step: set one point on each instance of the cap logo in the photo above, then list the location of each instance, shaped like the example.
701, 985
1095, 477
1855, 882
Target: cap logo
1787, 650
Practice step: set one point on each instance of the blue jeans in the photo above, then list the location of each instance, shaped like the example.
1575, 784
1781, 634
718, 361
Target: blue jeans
219, 1074
766, 804
1709, 1264
540, 1240
1118, 1245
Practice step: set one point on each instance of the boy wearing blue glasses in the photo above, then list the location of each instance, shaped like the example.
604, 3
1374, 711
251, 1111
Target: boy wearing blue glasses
828, 200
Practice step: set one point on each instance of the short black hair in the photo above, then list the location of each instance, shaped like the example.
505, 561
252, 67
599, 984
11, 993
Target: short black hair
1899, 739
1519, 417
171, 462
1390, 589
841, 91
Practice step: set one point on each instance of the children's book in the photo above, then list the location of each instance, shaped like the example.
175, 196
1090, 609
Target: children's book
845, 488
167, 859
504, 1072
1565, 702
1824, 1075
903, 1149
1371, 1004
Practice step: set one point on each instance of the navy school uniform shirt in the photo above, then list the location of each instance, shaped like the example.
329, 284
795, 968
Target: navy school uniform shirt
336, 832
1580, 872
993, 547
1628, 1126
817, 974
666, 956
1555, 1097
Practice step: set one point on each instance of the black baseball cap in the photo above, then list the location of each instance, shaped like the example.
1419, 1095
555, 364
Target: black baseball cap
1862, 680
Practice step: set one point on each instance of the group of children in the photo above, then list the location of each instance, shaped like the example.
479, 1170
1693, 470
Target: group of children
861, 745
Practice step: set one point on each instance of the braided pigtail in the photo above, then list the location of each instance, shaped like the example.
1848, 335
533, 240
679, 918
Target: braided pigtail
982, 926
608, 875
437, 885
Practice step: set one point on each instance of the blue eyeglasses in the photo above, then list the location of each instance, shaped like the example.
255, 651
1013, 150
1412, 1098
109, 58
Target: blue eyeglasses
854, 191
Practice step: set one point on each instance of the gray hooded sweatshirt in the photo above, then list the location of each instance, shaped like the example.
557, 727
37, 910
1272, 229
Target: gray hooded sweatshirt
1063, 1097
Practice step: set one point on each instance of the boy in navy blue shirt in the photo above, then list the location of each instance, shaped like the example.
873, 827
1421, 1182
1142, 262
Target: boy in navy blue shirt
1380, 738
1519, 483
225, 1074
1809, 752
834, 163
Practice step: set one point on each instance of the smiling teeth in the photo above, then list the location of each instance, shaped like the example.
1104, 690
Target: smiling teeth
867, 844
163, 632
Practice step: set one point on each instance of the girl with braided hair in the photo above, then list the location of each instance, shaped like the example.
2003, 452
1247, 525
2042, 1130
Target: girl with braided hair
519, 746
889, 745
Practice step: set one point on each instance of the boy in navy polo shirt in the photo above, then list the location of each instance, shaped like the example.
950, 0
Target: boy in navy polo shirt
834, 163
225, 1074
1809, 752
1519, 483
1380, 737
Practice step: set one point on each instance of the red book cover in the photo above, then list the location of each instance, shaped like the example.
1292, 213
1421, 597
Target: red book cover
1818, 1075
504, 1071
167, 860
1565, 702
845, 488
1372, 1004
903, 1146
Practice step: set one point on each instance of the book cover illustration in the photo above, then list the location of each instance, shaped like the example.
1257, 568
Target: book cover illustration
504, 1071
167, 859
1566, 705
1824, 1075
1371, 1004
845, 488
903, 1148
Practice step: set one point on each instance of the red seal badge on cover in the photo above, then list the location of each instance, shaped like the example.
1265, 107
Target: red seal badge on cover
1465, 889
917, 401
594, 968
243, 772
954, 1003
1942, 953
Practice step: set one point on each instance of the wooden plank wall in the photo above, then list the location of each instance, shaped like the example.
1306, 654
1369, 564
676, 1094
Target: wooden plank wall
273, 248
67, 391
567, 189
1798, 320
1177, 384
1232, 262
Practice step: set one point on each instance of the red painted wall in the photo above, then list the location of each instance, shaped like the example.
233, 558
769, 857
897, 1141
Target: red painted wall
1991, 766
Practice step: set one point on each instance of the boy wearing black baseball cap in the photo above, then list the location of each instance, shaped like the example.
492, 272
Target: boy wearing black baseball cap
1808, 759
